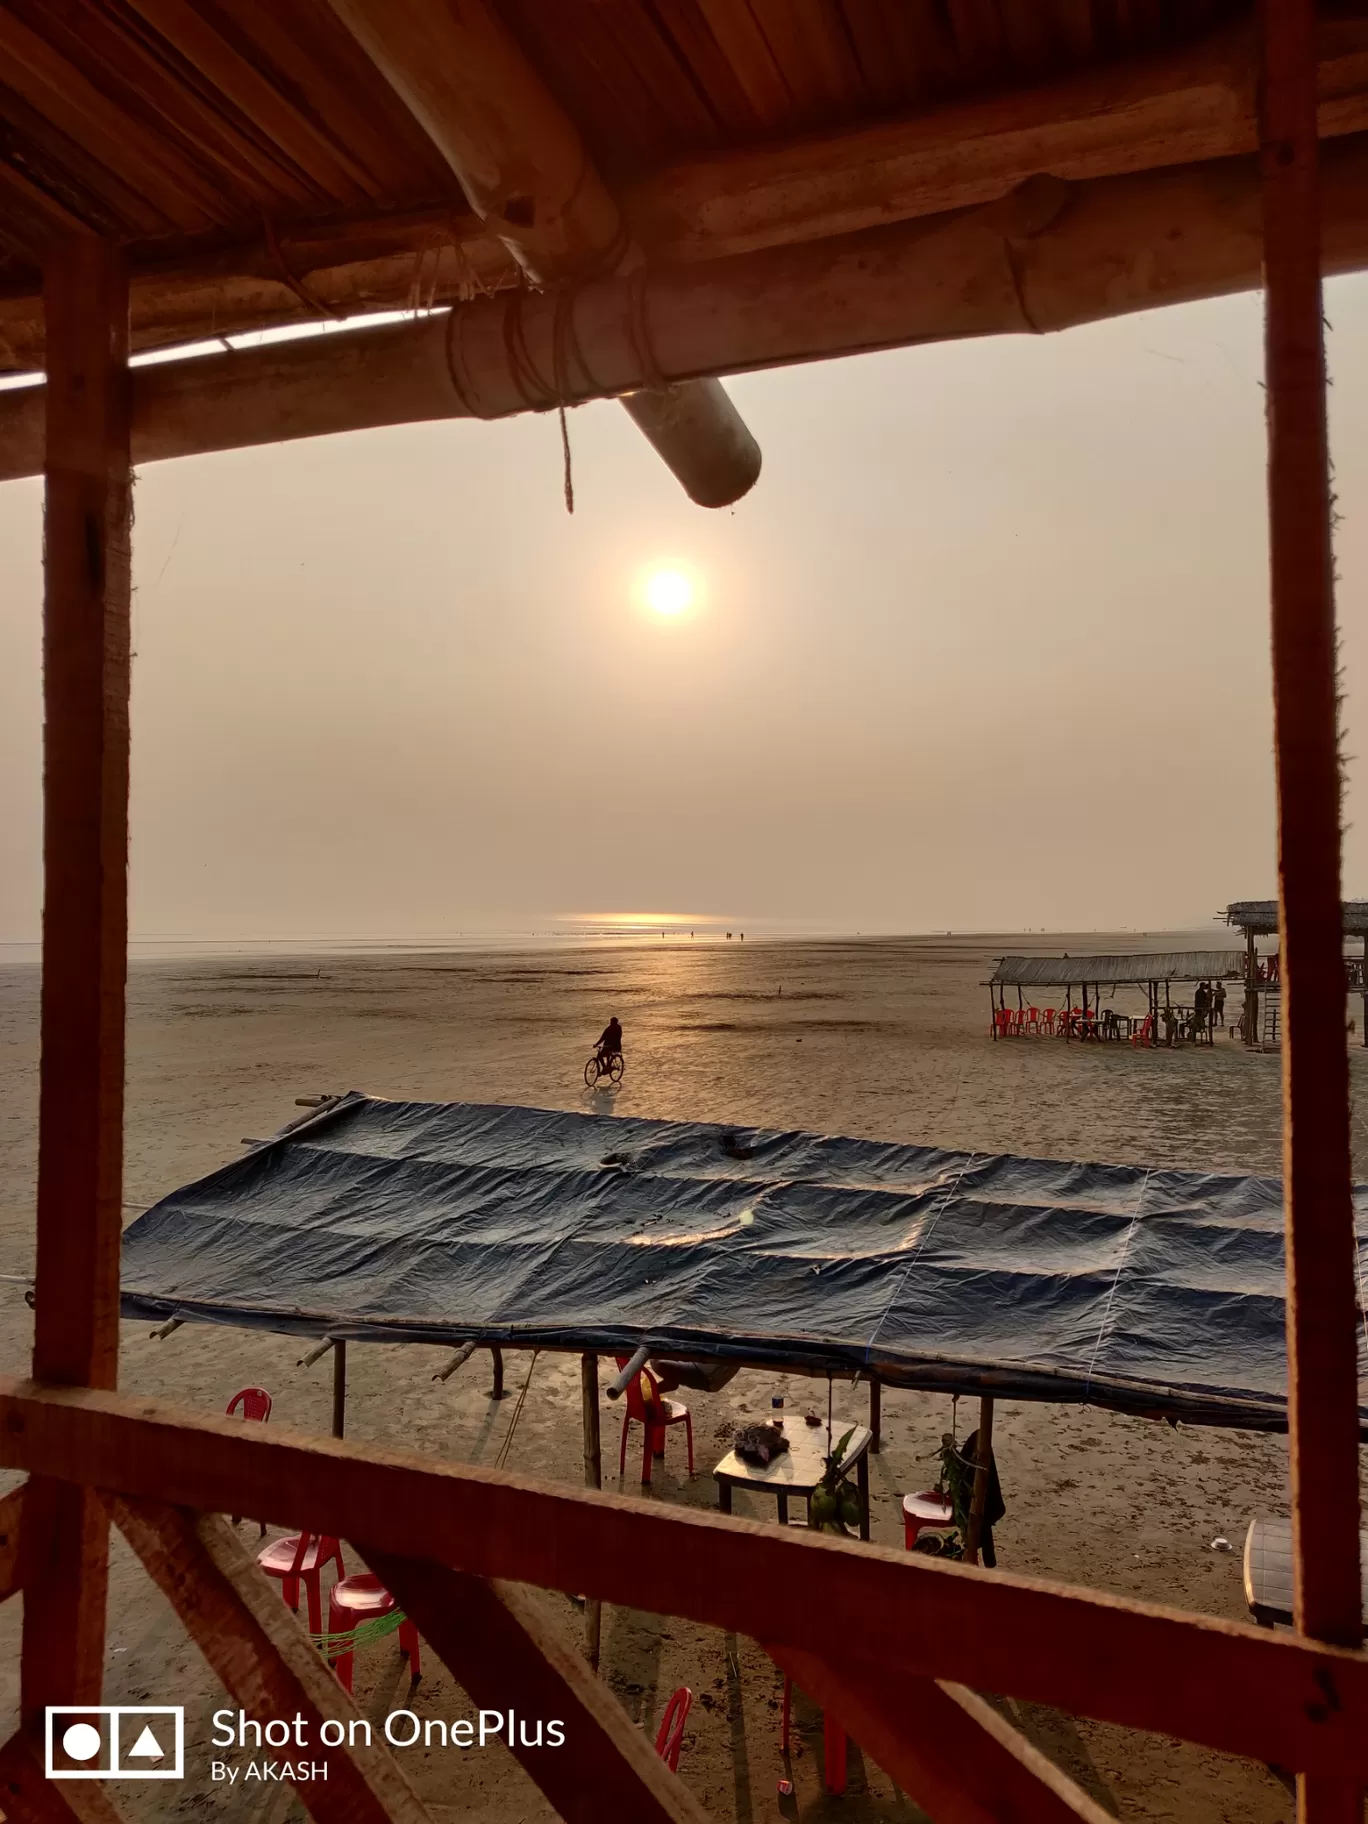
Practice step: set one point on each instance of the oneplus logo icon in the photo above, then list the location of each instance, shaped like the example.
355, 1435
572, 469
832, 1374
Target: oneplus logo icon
115, 1742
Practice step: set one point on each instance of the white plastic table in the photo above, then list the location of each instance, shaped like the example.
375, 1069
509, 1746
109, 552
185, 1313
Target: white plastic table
797, 1470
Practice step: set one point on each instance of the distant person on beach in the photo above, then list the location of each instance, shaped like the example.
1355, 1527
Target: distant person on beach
610, 1042
1218, 1001
1201, 1013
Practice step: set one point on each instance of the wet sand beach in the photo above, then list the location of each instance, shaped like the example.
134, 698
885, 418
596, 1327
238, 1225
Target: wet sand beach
882, 1038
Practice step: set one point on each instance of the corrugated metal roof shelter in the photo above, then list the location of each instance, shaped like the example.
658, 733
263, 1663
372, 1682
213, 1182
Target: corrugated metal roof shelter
1259, 917
1143, 1290
1118, 971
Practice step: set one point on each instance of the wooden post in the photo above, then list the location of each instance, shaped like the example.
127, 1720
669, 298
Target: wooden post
593, 1478
1320, 1306
339, 1388
1364, 984
1251, 1006
87, 523
1321, 1310
982, 1465
496, 1392
875, 1411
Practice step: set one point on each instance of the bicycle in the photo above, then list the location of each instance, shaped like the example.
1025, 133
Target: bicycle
600, 1067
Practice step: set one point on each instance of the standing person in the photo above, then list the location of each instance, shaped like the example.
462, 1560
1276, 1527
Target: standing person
1201, 1011
1218, 1001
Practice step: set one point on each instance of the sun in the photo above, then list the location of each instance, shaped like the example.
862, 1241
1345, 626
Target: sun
668, 593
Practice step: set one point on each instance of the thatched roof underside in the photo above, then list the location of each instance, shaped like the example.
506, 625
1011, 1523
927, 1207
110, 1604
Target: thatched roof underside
254, 148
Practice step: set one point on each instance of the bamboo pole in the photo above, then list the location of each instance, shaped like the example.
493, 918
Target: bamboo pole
625, 1376
1321, 1307
339, 1399
86, 622
982, 1468
593, 1478
454, 1361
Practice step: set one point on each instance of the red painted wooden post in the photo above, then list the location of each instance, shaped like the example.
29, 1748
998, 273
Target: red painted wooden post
88, 516
1322, 1343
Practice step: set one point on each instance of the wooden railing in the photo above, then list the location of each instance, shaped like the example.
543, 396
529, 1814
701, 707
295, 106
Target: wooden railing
886, 1641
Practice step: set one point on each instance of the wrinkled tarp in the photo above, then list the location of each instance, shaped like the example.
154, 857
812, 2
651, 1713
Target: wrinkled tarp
1145, 1290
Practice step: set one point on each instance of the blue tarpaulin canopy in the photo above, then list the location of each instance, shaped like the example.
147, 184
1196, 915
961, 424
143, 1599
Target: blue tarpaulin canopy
1145, 1290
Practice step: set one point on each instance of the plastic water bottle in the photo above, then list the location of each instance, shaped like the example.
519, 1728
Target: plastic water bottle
777, 1411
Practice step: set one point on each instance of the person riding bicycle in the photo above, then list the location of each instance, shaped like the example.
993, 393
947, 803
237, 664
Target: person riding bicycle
609, 1045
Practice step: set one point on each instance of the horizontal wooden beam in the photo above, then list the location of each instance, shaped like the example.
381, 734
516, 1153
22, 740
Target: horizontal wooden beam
1245, 1690
1126, 118
266, 1661
508, 1655
1049, 256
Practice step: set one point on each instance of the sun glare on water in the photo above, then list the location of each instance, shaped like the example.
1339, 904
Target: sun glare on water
668, 593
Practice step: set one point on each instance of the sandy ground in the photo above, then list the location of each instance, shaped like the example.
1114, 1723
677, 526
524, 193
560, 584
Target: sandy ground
880, 1038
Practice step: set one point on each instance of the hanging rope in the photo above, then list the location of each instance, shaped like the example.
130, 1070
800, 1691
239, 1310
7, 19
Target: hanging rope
565, 452
507, 1444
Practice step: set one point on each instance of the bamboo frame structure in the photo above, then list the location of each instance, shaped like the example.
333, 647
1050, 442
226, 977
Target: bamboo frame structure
451, 1540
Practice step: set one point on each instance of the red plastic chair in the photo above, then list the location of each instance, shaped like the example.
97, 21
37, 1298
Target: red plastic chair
655, 1414
299, 1558
1002, 1022
364, 1598
1047, 1021
927, 1510
1033, 1019
670, 1735
254, 1401
256, 1404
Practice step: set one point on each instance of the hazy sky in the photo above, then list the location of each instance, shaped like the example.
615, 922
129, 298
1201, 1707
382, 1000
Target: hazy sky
985, 648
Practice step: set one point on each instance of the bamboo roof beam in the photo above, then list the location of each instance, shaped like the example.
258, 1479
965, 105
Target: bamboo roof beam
1050, 256
528, 174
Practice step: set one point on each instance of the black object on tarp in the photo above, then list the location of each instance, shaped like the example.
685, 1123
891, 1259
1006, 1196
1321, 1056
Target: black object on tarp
1145, 1290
